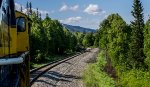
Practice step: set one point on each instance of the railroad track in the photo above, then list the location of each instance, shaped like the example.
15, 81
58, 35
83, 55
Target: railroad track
36, 73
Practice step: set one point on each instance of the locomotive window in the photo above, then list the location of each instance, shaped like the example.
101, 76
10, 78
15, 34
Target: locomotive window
21, 24
0, 2
5, 11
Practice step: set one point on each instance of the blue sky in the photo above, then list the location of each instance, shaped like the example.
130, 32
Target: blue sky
85, 13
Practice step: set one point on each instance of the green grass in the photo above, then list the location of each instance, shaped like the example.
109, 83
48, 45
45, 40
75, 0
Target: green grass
94, 76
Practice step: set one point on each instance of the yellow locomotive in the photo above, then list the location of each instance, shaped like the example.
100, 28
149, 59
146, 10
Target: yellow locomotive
14, 46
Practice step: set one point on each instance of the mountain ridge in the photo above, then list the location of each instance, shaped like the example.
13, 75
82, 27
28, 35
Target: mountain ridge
78, 29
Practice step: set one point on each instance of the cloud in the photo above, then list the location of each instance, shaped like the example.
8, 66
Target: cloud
106, 16
40, 11
18, 7
71, 20
74, 8
66, 7
94, 10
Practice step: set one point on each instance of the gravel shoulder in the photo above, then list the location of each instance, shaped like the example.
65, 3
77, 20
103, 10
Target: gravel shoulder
67, 74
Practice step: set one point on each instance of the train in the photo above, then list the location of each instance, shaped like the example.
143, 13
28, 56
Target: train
14, 46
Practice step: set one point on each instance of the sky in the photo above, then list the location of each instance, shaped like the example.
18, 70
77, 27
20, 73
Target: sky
84, 13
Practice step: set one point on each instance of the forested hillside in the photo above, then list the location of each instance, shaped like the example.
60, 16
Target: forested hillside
78, 29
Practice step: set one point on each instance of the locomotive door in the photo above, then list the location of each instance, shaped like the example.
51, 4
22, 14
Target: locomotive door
22, 35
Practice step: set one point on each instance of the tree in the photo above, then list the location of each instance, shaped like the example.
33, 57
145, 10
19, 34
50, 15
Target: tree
136, 53
27, 7
67, 39
114, 36
38, 39
88, 40
21, 8
73, 42
59, 35
30, 8
96, 42
118, 40
146, 42
48, 25
55, 34
37, 12
104, 27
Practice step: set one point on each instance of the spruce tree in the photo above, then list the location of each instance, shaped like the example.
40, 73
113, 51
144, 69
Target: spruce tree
37, 12
137, 44
146, 42
30, 8
21, 9
27, 7
40, 16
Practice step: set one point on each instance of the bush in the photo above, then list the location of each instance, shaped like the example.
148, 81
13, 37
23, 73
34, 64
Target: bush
94, 75
135, 78
40, 57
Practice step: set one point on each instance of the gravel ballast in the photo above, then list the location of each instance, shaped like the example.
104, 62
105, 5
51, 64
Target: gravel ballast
67, 74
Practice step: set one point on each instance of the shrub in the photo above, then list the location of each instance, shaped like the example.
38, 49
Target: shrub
40, 57
94, 75
135, 78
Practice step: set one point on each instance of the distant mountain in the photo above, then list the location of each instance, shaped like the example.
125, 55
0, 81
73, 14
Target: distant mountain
78, 29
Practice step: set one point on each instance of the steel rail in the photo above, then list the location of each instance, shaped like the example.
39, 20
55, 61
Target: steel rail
36, 73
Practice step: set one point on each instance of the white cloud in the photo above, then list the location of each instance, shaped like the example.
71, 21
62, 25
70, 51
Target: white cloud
63, 8
71, 20
18, 7
40, 11
74, 8
106, 16
66, 7
94, 10
74, 19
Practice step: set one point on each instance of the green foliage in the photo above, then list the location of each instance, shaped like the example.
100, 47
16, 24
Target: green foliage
80, 37
49, 37
114, 37
103, 34
118, 44
88, 40
147, 43
137, 44
39, 57
127, 46
37, 38
94, 75
101, 60
96, 41
134, 78
68, 39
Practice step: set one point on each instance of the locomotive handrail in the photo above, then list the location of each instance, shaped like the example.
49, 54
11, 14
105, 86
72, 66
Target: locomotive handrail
9, 61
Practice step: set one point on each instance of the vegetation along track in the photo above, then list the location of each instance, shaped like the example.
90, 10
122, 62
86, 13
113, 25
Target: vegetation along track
36, 73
